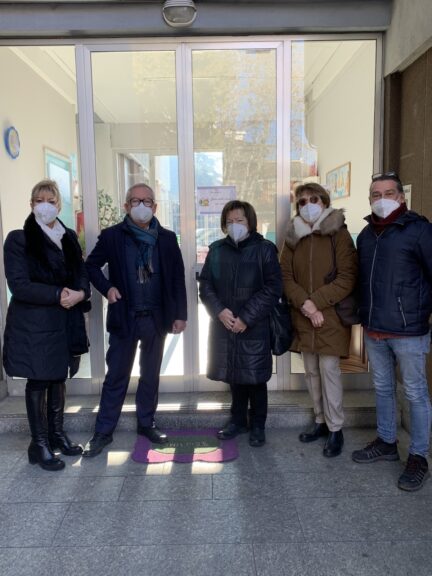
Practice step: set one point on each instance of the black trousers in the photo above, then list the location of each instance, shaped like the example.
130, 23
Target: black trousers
34, 385
244, 395
120, 358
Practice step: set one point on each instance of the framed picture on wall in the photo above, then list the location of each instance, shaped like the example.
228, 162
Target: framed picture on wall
338, 181
59, 168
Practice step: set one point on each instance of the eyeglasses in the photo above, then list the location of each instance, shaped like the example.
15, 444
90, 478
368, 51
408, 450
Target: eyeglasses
383, 175
312, 199
134, 202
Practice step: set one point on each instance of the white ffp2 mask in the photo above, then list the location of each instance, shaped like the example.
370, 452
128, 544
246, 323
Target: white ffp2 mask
384, 207
237, 232
45, 212
141, 213
310, 212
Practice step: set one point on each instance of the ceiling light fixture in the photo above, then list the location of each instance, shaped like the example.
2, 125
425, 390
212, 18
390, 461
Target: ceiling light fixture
179, 13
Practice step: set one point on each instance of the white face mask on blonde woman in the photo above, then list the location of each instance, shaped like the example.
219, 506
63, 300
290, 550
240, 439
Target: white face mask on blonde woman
45, 212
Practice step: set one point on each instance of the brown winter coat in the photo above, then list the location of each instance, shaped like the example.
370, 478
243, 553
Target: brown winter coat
306, 259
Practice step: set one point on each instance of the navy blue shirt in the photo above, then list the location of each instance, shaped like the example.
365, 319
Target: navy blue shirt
146, 296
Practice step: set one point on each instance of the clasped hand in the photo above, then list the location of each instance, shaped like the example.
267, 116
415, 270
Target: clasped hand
230, 322
311, 311
69, 297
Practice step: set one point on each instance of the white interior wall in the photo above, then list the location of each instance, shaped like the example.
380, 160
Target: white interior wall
43, 118
340, 125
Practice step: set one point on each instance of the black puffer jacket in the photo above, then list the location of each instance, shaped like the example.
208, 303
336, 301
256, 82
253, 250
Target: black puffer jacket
396, 276
246, 279
41, 336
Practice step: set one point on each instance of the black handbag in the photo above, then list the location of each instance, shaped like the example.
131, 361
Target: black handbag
348, 308
281, 329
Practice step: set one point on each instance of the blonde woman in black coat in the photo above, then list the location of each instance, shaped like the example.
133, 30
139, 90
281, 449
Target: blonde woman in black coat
45, 330
240, 284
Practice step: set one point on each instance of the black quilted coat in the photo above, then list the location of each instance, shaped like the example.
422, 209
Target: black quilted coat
246, 279
42, 339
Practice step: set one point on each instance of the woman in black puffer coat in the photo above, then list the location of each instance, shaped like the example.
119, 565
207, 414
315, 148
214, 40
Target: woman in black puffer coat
45, 331
239, 285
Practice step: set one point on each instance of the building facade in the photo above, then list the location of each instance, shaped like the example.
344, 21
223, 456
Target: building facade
250, 99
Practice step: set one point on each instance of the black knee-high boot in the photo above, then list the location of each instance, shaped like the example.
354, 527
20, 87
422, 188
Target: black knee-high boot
39, 451
55, 410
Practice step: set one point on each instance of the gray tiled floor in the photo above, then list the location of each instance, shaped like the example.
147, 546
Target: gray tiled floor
280, 510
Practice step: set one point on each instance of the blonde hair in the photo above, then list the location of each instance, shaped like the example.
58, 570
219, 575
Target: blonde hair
46, 186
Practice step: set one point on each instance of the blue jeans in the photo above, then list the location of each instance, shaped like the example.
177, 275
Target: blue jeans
410, 354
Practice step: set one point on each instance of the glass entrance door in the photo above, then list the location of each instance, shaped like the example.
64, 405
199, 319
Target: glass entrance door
234, 97
136, 140
198, 126
205, 123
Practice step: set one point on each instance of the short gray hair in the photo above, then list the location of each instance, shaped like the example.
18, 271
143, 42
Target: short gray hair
139, 185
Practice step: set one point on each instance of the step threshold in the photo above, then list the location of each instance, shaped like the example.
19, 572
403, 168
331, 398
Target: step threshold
287, 409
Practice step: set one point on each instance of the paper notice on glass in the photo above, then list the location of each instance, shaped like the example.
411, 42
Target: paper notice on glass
211, 199
407, 192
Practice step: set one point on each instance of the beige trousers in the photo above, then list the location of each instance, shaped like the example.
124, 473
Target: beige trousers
323, 379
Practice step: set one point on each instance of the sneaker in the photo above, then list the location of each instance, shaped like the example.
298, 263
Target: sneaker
415, 474
376, 450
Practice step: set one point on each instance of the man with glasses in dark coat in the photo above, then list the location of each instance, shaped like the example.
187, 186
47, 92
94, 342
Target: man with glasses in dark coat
395, 260
146, 294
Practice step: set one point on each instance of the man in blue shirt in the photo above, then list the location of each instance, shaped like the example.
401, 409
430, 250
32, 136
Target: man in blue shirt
146, 294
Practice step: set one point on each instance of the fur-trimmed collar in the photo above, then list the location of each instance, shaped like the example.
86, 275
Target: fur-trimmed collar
36, 245
330, 221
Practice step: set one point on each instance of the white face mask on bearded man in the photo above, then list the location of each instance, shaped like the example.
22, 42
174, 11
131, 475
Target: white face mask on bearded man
384, 207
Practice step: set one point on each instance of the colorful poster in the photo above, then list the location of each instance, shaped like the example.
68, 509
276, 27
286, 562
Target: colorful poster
211, 199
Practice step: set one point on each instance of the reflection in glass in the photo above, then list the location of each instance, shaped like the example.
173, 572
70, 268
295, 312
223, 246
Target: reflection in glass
234, 113
135, 122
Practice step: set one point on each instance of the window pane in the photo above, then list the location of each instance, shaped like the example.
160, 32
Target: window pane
234, 112
332, 128
135, 122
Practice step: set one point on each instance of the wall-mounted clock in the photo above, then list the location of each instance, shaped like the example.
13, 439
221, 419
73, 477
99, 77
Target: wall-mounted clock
12, 142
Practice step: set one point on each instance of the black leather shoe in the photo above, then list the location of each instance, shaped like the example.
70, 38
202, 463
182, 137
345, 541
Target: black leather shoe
153, 433
257, 437
96, 444
231, 430
318, 431
333, 445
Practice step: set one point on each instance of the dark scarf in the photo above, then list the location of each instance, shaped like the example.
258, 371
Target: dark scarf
379, 224
35, 246
145, 240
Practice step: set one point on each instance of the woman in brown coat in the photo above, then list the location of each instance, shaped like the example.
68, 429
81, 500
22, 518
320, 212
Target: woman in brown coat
317, 238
